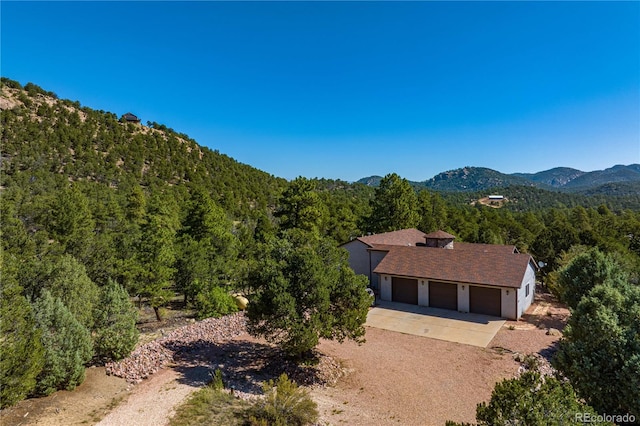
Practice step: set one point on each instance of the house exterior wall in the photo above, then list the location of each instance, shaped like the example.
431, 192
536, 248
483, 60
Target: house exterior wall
358, 257
385, 288
375, 258
513, 301
524, 300
517, 301
463, 298
364, 261
423, 292
508, 303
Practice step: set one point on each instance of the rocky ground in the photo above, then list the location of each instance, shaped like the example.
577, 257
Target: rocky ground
391, 379
151, 357
209, 345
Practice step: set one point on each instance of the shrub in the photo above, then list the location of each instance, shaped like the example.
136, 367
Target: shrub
285, 404
115, 323
209, 406
67, 346
10, 83
304, 290
600, 350
216, 380
21, 353
214, 302
69, 282
584, 272
531, 399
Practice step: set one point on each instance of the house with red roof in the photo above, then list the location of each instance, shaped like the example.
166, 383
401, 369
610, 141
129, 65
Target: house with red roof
409, 266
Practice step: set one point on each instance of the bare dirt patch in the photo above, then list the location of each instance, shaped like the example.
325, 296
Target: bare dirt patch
495, 203
85, 405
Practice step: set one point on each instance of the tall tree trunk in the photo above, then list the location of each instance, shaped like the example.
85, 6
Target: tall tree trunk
157, 311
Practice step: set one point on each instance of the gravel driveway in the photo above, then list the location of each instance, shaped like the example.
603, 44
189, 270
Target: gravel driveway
402, 379
153, 402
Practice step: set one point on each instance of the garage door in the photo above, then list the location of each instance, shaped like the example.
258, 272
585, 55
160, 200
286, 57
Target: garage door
443, 295
404, 290
484, 300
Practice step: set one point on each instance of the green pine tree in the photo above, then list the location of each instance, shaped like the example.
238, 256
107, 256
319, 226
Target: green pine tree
67, 346
395, 205
68, 281
301, 207
531, 400
157, 254
305, 290
600, 351
115, 333
21, 352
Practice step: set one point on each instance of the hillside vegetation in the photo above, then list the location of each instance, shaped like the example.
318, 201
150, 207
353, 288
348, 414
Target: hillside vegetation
96, 211
618, 186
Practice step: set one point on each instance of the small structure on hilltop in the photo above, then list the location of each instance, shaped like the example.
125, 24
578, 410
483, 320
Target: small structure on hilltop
130, 118
496, 197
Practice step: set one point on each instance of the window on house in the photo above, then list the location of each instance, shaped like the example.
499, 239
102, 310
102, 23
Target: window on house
526, 291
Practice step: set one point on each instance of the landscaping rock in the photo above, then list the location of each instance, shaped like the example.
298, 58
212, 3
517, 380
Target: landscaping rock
243, 371
149, 358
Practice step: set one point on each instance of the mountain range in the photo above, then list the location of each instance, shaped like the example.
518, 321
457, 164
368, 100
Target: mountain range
43, 133
618, 180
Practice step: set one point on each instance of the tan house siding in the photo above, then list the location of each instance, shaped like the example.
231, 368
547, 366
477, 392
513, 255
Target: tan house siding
358, 257
423, 292
375, 259
385, 287
463, 298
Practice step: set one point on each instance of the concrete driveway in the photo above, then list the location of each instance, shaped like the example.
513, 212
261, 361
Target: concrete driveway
442, 324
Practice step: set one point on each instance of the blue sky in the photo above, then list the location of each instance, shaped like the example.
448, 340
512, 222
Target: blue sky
352, 89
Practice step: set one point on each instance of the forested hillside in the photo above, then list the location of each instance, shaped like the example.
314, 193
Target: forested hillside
97, 212
52, 139
618, 187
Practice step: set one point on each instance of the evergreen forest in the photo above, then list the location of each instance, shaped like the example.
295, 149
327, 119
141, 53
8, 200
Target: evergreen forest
99, 214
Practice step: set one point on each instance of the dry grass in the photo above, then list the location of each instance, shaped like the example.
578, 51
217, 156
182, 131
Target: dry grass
209, 406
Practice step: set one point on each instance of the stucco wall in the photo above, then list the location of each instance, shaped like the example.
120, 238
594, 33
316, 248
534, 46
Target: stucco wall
376, 258
514, 301
463, 298
525, 301
508, 303
385, 287
358, 256
363, 261
423, 292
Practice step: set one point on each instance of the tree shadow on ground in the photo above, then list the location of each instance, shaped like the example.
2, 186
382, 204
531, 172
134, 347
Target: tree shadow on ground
244, 364
554, 313
549, 352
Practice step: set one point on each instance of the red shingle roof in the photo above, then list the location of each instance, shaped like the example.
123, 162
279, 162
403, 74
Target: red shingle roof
488, 265
485, 248
403, 237
412, 236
